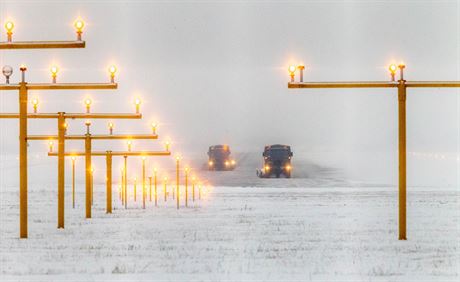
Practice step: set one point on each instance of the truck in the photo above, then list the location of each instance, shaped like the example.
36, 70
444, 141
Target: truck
219, 158
277, 161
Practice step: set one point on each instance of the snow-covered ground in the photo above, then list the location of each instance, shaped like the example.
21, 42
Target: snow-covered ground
238, 233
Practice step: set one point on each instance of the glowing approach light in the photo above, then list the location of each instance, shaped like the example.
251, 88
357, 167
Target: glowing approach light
35, 104
112, 71
291, 70
392, 68
129, 143
154, 128
9, 26
50, 143
88, 103
79, 25
137, 102
54, 70
167, 146
110, 128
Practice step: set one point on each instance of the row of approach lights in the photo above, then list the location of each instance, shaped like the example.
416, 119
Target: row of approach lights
78, 24
193, 180
129, 143
392, 68
8, 72
88, 102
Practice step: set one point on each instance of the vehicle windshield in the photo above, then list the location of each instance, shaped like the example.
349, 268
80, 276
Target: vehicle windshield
278, 153
219, 153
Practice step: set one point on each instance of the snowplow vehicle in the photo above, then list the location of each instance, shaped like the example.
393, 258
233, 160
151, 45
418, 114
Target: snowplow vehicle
219, 158
277, 161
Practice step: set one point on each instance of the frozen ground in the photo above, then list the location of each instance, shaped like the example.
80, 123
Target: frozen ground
296, 233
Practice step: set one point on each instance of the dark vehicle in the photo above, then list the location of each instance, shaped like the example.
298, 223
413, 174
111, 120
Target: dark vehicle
219, 158
277, 161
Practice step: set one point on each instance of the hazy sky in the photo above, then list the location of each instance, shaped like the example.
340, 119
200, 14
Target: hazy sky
214, 72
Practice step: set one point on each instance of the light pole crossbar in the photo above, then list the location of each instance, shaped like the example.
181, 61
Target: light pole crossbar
42, 44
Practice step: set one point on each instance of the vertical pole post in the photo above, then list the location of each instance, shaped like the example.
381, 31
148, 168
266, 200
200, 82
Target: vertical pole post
61, 168
109, 181
126, 181
186, 188
92, 178
177, 183
88, 174
155, 187
402, 157
193, 191
143, 183
164, 190
122, 192
23, 158
73, 182
150, 188
135, 192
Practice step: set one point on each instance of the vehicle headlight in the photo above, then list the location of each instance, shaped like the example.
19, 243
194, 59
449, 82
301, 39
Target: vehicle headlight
233, 162
211, 163
267, 168
288, 167
226, 163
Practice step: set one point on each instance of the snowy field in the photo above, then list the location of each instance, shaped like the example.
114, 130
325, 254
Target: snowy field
265, 234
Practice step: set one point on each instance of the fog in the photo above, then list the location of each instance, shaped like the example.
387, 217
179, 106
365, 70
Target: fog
216, 72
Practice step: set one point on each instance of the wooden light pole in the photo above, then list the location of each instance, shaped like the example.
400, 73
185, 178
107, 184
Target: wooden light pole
401, 86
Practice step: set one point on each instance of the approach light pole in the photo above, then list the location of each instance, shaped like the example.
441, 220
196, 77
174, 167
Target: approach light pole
73, 182
165, 194
62, 136
401, 86
177, 180
186, 185
143, 182
88, 138
193, 188
109, 157
155, 186
23, 88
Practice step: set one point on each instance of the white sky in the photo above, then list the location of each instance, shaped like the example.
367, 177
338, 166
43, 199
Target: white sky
215, 72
